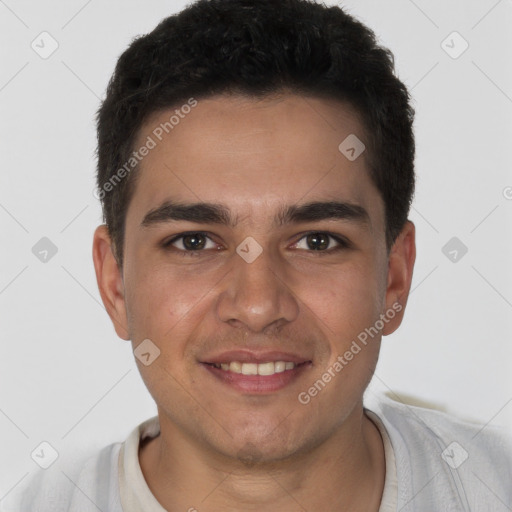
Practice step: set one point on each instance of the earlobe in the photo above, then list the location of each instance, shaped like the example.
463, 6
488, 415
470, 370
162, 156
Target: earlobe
110, 281
400, 270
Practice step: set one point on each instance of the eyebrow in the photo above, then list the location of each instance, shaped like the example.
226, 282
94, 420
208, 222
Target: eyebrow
214, 213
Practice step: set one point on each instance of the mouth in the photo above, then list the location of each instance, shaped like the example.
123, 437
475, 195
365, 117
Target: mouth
256, 373
265, 369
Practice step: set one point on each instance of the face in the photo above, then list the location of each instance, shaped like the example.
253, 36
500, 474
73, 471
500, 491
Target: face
267, 284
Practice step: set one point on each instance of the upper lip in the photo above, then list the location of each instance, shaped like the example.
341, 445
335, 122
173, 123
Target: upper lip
249, 356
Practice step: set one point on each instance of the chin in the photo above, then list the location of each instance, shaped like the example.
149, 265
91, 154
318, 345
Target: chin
266, 445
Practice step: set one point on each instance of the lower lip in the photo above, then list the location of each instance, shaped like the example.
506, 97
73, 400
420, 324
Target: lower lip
257, 384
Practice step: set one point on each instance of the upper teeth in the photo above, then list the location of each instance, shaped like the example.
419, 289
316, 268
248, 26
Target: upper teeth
257, 368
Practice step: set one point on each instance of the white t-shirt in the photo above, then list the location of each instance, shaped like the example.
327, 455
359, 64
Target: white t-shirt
434, 463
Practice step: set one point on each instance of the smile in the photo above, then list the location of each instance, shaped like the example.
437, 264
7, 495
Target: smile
260, 377
268, 368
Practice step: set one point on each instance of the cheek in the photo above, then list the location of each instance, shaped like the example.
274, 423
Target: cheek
165, 306
346, 301
162, 301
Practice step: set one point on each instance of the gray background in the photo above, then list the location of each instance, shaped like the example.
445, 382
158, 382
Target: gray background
65, 376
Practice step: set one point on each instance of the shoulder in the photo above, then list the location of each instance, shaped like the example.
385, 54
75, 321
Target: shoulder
83, 485
454, 461
433, 424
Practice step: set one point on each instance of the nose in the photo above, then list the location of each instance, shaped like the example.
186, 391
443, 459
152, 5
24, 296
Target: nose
256, 295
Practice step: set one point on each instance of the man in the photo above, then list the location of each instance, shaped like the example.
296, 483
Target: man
255, 167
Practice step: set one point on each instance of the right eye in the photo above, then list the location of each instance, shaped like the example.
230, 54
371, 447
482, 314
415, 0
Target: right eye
191, 242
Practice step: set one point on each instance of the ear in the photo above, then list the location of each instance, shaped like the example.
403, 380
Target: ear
110, 280
400, 268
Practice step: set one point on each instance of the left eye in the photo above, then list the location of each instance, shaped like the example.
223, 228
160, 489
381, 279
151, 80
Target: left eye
320, 241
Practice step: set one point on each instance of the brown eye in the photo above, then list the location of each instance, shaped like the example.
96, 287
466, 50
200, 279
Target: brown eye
189, 242
194, 241
320, 241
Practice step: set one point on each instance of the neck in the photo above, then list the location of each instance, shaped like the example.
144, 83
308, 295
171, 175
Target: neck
345, 472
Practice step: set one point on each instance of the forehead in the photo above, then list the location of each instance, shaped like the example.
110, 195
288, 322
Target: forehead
254, 155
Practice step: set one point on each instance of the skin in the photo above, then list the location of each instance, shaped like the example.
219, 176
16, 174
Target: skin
220, 448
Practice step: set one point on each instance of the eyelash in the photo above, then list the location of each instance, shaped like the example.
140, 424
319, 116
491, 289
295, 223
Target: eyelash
343, 243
